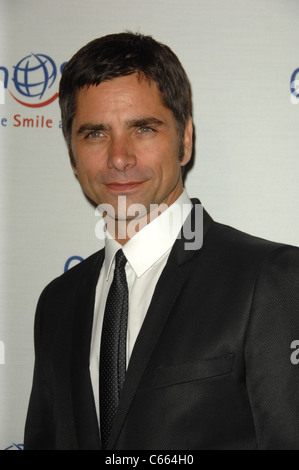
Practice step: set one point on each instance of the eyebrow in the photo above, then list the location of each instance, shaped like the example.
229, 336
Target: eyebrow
142, 122
93, 127
136, 122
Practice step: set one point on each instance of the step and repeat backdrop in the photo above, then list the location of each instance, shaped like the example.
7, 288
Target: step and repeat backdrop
243, 62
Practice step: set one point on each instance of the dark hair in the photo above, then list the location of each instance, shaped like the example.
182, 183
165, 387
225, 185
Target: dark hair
117, 55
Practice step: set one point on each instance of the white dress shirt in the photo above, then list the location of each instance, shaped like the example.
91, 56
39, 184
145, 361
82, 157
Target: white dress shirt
147, 253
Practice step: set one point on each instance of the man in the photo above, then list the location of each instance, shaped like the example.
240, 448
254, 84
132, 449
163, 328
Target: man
208, 328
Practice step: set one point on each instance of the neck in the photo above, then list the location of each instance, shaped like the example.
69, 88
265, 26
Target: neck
123, 230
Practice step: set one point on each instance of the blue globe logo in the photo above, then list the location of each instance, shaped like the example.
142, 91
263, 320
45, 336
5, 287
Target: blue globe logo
34, 74
15, 447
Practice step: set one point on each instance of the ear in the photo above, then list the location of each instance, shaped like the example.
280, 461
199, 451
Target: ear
187, 142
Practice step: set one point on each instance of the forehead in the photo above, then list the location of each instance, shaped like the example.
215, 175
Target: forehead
121, 95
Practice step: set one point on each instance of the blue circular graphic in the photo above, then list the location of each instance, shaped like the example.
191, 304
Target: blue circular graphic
72, 258
294, 89
34, 74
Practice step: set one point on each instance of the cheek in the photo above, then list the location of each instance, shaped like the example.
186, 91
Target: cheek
171, 163
87, 162
163, 156
87, 173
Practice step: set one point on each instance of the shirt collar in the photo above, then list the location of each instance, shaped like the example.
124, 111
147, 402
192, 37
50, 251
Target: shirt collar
153, 241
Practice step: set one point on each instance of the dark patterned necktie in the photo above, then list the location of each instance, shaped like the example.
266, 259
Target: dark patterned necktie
113, 347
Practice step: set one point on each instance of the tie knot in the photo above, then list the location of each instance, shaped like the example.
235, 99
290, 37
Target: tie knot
120, 259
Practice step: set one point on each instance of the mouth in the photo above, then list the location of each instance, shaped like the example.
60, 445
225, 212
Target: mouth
123, 186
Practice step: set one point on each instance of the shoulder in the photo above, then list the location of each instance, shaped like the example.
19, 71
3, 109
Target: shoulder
59, 300
220, 239
234, 241
71, 279
241, 254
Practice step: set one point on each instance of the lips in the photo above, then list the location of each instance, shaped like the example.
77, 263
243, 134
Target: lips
122, 186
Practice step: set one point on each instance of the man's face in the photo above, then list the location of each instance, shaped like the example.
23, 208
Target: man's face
125, 142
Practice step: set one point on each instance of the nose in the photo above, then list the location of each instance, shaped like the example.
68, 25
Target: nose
121, 154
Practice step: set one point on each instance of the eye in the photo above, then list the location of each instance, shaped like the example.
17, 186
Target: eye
94, 134
145, 130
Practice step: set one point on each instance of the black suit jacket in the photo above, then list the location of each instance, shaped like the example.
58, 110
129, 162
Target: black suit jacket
211, 367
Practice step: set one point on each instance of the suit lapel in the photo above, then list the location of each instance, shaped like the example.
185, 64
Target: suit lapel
166, 293
83, 400
170, 282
